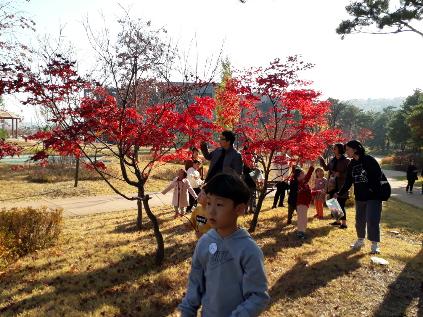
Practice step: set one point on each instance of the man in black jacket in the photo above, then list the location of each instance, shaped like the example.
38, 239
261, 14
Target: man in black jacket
225, 158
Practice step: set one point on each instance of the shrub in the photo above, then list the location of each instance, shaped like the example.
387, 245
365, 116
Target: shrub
25, 230
387, 160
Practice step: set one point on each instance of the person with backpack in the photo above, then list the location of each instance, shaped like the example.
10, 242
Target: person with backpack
366, 175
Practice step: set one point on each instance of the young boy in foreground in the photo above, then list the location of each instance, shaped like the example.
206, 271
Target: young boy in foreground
227, 275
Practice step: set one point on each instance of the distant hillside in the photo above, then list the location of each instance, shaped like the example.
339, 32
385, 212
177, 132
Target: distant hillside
377, 104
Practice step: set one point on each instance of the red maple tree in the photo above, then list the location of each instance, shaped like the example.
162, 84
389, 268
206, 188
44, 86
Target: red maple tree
280, 116
84, 122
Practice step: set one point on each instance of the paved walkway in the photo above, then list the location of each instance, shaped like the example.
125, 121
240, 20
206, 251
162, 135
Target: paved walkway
81, 206
398, 189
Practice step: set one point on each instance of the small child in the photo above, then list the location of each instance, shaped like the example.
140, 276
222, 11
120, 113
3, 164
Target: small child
319, 192
199, 216
193, 175
181, 187
303, 199
227, 274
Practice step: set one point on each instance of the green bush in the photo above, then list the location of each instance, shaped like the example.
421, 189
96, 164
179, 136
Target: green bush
25, 230
3, 134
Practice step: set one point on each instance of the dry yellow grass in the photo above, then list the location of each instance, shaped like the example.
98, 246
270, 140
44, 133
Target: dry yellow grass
17, 185
103, 267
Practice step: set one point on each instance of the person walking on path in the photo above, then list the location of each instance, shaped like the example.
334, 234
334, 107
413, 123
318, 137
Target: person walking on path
337, 168
411, 177
181, 187
365, 173
225, 158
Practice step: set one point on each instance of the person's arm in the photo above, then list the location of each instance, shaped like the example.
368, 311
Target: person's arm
308, 175
204, 149
171, 185
191, 191
348, 182
323, 163
238, 164
254, 286
196, 287
374, 173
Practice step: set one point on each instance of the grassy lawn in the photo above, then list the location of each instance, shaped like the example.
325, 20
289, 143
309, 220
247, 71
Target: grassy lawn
103, 267
23, 185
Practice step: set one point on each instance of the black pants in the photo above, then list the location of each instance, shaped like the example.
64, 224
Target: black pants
192, 201
291, 210
281, 188
342, 202
410, 185
253, 200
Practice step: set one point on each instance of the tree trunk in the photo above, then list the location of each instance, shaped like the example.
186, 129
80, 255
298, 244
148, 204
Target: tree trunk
139, 205
76, 173
157, 233
260, 201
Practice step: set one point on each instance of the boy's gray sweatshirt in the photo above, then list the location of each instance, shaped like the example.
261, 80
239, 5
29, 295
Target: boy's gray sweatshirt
227, 277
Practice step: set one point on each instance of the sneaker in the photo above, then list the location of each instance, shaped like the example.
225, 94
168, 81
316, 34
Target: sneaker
374, 249
336, 223
358, 244
343, 226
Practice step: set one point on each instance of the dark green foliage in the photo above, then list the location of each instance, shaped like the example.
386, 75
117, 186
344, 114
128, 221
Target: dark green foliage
368, 13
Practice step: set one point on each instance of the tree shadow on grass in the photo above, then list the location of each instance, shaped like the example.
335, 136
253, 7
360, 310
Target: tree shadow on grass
407, 287
111, 285
304, 279
283, 238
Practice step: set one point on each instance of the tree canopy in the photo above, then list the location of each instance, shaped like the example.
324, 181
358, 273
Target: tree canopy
381, 15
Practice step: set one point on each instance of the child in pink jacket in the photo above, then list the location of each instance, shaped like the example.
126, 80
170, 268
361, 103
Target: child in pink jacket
181, 187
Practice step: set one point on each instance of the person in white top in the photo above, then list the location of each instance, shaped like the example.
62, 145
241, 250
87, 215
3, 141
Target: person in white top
194, 179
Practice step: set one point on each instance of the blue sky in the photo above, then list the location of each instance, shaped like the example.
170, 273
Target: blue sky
360, 66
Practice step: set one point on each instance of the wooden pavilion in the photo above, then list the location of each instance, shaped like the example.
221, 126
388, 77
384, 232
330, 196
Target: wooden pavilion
6, 115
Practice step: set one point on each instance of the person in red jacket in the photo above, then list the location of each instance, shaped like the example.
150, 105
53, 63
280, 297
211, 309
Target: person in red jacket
304, 199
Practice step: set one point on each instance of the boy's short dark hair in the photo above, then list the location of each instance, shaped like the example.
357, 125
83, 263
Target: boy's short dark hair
228, 186
229, 136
